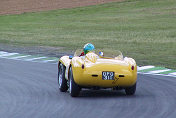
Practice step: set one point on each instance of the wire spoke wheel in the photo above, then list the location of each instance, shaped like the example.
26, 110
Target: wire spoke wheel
61, 78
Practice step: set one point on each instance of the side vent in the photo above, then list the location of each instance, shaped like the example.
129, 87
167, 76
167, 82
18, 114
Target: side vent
94, 75
121, 75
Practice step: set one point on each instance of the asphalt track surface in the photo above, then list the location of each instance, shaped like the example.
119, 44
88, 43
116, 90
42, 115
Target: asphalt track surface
30, 90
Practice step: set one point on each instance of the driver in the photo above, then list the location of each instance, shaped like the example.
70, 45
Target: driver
87, 48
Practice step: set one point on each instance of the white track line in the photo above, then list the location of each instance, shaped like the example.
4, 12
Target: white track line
34, 58
20, 57
144, 67
158, 71
2, 52
174, 73
8, 54
156, 74
50, 60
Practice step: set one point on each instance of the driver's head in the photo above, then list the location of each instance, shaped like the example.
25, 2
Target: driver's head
88, 47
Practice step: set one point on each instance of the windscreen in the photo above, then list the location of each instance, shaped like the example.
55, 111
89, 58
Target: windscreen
103, 54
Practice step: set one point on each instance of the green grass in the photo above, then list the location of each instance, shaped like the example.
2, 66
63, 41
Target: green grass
142, 29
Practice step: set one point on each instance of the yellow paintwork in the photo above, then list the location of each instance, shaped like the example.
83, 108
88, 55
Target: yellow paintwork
94, 65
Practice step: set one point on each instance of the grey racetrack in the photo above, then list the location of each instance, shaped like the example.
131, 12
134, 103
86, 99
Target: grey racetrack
30, 90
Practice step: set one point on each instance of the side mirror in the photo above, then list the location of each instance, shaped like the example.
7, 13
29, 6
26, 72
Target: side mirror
101, 54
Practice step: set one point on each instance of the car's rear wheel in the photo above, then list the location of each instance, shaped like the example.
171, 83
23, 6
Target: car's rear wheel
74, 89
61, 78
131, 90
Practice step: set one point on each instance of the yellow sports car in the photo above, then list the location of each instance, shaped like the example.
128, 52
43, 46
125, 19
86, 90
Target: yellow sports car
97, 70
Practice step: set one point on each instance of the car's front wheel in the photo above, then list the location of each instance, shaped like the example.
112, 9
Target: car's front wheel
131, 90
74, 89
61, 78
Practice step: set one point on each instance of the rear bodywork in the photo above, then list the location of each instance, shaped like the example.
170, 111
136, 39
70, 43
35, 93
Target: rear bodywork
87, 70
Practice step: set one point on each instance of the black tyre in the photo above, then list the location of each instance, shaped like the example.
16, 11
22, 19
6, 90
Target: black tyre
74, 89
61, 78
131, 90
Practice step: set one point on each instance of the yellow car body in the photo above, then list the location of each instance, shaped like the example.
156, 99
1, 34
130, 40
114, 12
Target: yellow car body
88, 70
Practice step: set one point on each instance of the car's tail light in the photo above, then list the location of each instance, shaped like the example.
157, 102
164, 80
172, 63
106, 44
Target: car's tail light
132, 67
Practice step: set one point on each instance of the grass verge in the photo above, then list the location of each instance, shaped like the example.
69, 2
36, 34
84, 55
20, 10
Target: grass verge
142, 29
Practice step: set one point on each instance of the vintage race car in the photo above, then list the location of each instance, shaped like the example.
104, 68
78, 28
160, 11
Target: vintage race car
96, 71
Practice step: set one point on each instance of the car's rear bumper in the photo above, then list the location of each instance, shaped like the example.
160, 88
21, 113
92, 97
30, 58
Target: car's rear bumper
123, 78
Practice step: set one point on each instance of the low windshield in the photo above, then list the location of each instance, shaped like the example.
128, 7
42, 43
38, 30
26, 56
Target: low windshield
78, 52
103, 53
